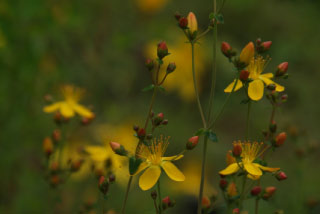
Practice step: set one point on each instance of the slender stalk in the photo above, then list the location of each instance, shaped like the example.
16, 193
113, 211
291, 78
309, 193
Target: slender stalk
159, 197
204, 152
256, 209
126, 196
248, 119
214, 63
244, 182
196, 88
155, 206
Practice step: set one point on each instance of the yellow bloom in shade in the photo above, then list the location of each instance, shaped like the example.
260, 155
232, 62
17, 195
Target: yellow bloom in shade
70, 106
247, 53
256, 86
250, 152
151, 6
154, 162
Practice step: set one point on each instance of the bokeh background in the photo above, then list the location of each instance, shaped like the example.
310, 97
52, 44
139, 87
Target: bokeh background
101, 46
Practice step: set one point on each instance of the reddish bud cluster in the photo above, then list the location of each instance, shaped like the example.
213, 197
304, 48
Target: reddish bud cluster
226, 49
256, 190
162, 50
280, 139
269, 192
281, 176
282, 69
244, 75
167, 203
262, 46
192, 142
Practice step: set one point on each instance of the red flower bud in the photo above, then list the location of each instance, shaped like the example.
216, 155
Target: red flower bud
183, 23
160, 116
101, 180
282, 69
280, 139
223, 184
226, 49
266, 45
149, 64
118, 149
256, 190
56, 135
237, 150
206, 203
141, 132
171, 67
192, 142
281, 176
236, 211
103, 185
162, 50
244, 75
268, 192
258, 41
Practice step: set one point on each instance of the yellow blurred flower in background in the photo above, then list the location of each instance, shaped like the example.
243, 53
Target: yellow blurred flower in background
151, 6
70, 105
180, 80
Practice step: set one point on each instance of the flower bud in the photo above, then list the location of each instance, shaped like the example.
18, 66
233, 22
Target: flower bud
183, 23
205, 203
247, 53
237, 150
112, 178
86, 120
166, 202
58, 119
284, 98
271, 87
54, 167
76, 165
171, 67
54, 180
192, 25
118, 149
258, 41
149, 64
154, 195
236, 211
136, 128
141, 133
268, 192
226, 49
103, 185
282, 69
47, 146
256, 190
281, 176
177, 15
192, 142
162, 50
56, 135
164, 122
273, 126
232, 190
264, 46
223, 184
280, 139
244, 75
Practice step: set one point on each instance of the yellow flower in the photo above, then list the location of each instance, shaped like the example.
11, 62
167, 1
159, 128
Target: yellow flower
180, 53
250, 152
70, 106
154, 162
151, 6
247, 53
256, 86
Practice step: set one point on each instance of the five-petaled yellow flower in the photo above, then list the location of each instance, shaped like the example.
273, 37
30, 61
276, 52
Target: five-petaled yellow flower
153, 162
250, 152
255, 69
70, 106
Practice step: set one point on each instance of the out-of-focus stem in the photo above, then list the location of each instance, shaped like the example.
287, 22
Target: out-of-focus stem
159, 197
248, 120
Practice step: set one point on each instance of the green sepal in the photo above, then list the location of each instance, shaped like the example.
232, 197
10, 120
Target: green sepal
148, 88
134, 164
211, 135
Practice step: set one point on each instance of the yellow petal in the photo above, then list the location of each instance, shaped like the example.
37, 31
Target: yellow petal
228, 89
150, 177
232, 168
52, 108
142, 167
253, 177
172, 171
267, 169
66, 110
268, 81
83, 111
252, 169
255, 89
267, 75
247, 53
174, 158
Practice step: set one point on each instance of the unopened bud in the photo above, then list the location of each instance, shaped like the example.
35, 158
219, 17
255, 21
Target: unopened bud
135, 128
247, 53
47, 146
183, 23
162, 50
282, 69
258, 41
58, 118
192, 26
118, 149
87, 120
271, 87
236, 211
206, 203
226, 49
281, 176
177, 15
76, 165
192, 142
256, 190
149, 64
154, 195
103, 185
284, 98
164, 122
273, 126
223, 184
280, 139
244, 75
141, 133
56, 135
167, 202
171, 67
112, 178
237, 150
269, 192
264, 46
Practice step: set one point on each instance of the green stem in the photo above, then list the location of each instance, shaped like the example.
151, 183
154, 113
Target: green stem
155, 206
256, 206
242, 192
204, 152
196, 88
214, 64
248, 119
159, 197
126, 196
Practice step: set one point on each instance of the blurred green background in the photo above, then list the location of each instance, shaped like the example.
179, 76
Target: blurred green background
102, 45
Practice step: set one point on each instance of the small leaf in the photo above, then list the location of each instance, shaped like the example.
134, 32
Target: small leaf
162, 88
134, 164
211, 135
211, 15
148, 88
219, 18
199, 132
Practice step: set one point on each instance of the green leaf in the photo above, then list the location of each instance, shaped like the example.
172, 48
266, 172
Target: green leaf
148, 88
219, 18
211, 135
162, 88
211, 15
134, 164
199, 132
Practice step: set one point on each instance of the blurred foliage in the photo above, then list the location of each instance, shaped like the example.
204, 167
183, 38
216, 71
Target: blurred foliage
101, 46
